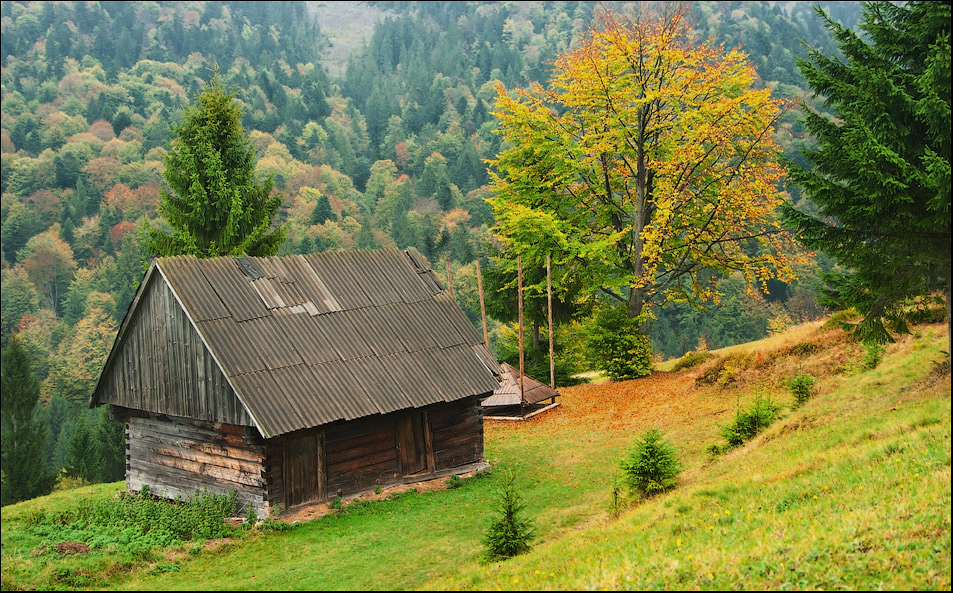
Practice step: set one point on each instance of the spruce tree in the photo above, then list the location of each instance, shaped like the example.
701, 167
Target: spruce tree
217, 206
879, 171
23, 440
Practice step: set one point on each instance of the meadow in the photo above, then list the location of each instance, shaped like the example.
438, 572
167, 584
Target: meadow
848, 488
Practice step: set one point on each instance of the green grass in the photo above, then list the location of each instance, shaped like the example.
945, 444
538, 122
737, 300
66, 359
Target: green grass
849, 491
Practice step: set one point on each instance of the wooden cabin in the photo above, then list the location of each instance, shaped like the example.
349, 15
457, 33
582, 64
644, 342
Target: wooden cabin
296, 379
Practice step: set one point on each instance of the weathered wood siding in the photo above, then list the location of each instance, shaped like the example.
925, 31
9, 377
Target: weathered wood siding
162, 365
457, 429
179, 457
361, 454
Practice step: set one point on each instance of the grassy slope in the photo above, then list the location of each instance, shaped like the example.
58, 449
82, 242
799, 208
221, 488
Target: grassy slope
850, 491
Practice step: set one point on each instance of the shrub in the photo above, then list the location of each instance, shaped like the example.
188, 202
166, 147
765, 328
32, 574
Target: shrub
618, 343
751, 421
725, 370
652, 466
509, 534
801, 386
873, 355
691, 360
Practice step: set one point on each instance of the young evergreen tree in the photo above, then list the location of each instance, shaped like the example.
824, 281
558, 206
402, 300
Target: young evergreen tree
25, 474
879, 172
217, 205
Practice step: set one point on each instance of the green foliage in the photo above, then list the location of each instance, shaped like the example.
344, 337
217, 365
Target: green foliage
748, 422
692, 359
138, 524
801, 388
216, 207
454, 481
25, 474
873, 354
509, 534
652, 467
878, 172
617, 342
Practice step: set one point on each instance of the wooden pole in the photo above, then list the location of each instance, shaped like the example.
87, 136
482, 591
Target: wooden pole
519, 301
449, 280
486, 335
549, 299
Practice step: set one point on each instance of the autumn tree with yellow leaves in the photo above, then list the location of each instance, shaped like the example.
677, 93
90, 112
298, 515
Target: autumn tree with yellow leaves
646, 167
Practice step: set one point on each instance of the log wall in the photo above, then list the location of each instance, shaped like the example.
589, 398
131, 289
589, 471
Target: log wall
177, 457
457, 429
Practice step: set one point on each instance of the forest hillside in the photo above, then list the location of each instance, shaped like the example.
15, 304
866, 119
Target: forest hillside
375, 136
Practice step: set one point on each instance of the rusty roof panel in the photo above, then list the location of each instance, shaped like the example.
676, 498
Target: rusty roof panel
508, 393
234, 288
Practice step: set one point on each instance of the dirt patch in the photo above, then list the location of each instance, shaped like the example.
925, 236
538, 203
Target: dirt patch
62, 548
309, 512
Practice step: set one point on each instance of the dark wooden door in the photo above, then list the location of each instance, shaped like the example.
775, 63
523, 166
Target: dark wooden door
414, 449
303, 470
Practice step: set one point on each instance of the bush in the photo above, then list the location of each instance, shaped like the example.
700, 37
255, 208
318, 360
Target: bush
801, 387
619, 345
725, 370
691, 360
873, 355
652, 466
748, 423
509, 534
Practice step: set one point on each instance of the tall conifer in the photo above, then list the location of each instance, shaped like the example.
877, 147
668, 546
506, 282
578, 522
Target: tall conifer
217, 206
25, 474
880, 169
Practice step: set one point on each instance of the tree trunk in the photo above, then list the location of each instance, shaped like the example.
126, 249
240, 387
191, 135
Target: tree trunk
949, 334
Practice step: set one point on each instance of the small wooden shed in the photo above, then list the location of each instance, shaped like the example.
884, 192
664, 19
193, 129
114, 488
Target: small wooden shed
510, 402
296, 379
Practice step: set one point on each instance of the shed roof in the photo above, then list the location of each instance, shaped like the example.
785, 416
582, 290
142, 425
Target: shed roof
308, 340
507, 392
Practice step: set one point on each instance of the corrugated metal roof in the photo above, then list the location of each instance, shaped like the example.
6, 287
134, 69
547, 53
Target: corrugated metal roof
308, 340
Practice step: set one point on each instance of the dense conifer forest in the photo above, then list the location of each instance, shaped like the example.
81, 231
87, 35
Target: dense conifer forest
387, 148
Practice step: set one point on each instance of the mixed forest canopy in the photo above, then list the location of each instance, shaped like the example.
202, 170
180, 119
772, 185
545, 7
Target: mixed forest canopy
392, 151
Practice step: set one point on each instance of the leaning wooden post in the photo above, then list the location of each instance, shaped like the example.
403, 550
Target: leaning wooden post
449, 280
486, 335
549, 299
519, 301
